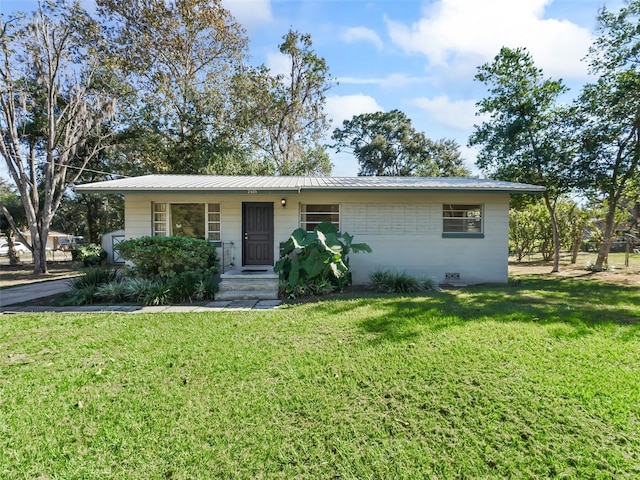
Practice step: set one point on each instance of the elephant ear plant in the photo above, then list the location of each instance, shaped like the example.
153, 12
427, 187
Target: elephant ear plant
317, 262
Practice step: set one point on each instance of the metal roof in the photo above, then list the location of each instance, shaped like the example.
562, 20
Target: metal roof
255, 184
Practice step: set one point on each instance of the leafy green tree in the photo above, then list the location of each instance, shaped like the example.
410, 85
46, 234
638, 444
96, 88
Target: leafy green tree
608, 118
49, 107
446, 153
385, 143
526, 138
282, 116
530, 229
574, 228
179, 56
525, 229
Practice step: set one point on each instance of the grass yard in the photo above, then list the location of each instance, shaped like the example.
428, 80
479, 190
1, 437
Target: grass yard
534, 380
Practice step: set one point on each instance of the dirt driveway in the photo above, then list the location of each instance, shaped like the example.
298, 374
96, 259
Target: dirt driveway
617, 273
12, 275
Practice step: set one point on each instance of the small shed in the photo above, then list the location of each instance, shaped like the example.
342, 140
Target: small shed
109, 242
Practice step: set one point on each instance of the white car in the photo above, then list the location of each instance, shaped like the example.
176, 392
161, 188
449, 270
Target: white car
19, 248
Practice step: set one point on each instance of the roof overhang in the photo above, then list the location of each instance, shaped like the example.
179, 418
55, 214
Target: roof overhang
287, 185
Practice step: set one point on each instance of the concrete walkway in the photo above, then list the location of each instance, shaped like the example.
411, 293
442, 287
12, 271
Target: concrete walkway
235, 305
32, 291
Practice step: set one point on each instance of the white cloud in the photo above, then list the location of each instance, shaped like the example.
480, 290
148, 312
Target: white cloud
455, 114
356, 34
250, 12
399, 80
278, 63
345, 107
469, 155
462, 34
393, 80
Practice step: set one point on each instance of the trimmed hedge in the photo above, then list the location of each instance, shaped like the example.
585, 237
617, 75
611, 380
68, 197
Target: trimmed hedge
167, 257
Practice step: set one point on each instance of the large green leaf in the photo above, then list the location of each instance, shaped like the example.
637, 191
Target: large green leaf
294, 275
360, 247
315, 264
326, 228
302, 239
287, 247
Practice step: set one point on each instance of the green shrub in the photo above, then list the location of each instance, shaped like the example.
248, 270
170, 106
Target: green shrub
429, 284
158, 294
84, 295
166, 257
137, 288
94, 276
91, 255
316, 258
205, 290
312, 288
386, 281
190, 286
114, 291
182, 287
83, 289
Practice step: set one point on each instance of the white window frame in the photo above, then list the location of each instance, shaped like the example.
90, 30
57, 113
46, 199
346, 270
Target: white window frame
304, 222
213, 227
161, 220
463, 215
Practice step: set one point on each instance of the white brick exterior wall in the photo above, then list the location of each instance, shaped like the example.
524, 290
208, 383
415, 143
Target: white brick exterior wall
404, 229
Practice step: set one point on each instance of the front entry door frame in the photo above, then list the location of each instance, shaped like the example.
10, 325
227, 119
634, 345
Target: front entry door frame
257, 233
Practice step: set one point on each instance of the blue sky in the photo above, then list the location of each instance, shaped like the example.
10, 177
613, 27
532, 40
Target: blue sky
416, 56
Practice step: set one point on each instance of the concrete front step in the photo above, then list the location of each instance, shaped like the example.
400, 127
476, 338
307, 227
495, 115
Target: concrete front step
228, 285
247, 295
253, 274
249, 284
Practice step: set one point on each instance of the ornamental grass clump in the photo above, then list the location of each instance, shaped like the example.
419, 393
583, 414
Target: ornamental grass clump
387, 281
83, 289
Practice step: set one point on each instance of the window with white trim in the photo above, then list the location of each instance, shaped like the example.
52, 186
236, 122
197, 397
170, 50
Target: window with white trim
313, 215
461, 219
213, 222
160, 219
195, 220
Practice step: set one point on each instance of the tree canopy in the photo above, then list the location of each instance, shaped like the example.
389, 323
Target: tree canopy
282, 116
608, 118
525, 138
385, 143
179, 57
50, 106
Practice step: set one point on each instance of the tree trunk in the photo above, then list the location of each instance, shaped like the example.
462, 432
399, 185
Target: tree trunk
575, 249
39, 245
556, 238
13, 258
91, 230
607, 236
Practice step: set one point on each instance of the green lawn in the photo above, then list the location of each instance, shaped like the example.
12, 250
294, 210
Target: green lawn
536, 380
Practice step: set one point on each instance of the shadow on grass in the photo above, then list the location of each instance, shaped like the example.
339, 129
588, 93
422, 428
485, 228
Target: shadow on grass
574, 302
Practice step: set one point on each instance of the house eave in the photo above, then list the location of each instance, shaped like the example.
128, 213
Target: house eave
199, 184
